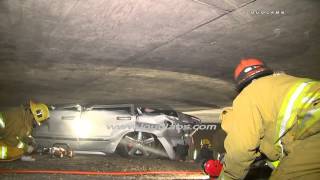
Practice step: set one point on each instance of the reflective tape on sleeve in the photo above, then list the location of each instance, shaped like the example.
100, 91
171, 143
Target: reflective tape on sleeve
292, 104
2, 123
311, 118
291, 107
3, 152
273, 164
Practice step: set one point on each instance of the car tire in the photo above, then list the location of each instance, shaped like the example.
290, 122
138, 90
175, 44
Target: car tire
140, 145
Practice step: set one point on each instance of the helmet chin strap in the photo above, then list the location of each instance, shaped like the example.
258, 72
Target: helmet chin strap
34, 123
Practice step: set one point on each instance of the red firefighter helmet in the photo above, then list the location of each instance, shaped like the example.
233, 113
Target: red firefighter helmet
213, 167
249, 69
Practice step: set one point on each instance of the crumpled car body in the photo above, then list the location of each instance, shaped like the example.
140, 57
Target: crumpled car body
103, 128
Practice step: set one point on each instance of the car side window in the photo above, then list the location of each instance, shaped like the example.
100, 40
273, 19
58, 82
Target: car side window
170, 113
71, 108
120, 110
158, 112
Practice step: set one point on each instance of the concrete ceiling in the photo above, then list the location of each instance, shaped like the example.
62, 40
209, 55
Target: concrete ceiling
176, 52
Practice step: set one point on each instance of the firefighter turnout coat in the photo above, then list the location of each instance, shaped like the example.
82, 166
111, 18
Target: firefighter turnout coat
278, 116
15, 129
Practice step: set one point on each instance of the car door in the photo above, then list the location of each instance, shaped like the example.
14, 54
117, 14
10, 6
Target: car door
63, 121
60, 127
105, 123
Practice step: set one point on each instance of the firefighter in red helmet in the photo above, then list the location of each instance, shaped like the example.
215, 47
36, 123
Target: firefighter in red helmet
249, 69
275, 115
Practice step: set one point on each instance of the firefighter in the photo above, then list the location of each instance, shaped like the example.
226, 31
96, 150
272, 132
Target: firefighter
205, 152
16, 127
275, 115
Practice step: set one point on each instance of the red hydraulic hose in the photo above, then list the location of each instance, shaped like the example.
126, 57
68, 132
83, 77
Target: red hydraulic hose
110, 173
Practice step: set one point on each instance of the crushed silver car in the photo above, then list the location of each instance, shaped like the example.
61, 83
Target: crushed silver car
128, 129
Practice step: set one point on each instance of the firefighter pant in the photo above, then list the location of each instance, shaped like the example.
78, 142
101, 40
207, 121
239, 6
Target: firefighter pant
302, 163
9, 153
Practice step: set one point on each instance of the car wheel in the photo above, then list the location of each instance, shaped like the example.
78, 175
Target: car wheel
139, 144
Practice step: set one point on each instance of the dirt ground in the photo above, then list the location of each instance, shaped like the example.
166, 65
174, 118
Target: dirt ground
108, 163
140, 168
97, 163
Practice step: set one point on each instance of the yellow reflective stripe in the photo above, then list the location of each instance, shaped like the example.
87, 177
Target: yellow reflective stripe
290, 107
311, 118
283, 108
2, 123
310, 98
273, 164
221, 175
3, 152
311, 115
299, 105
